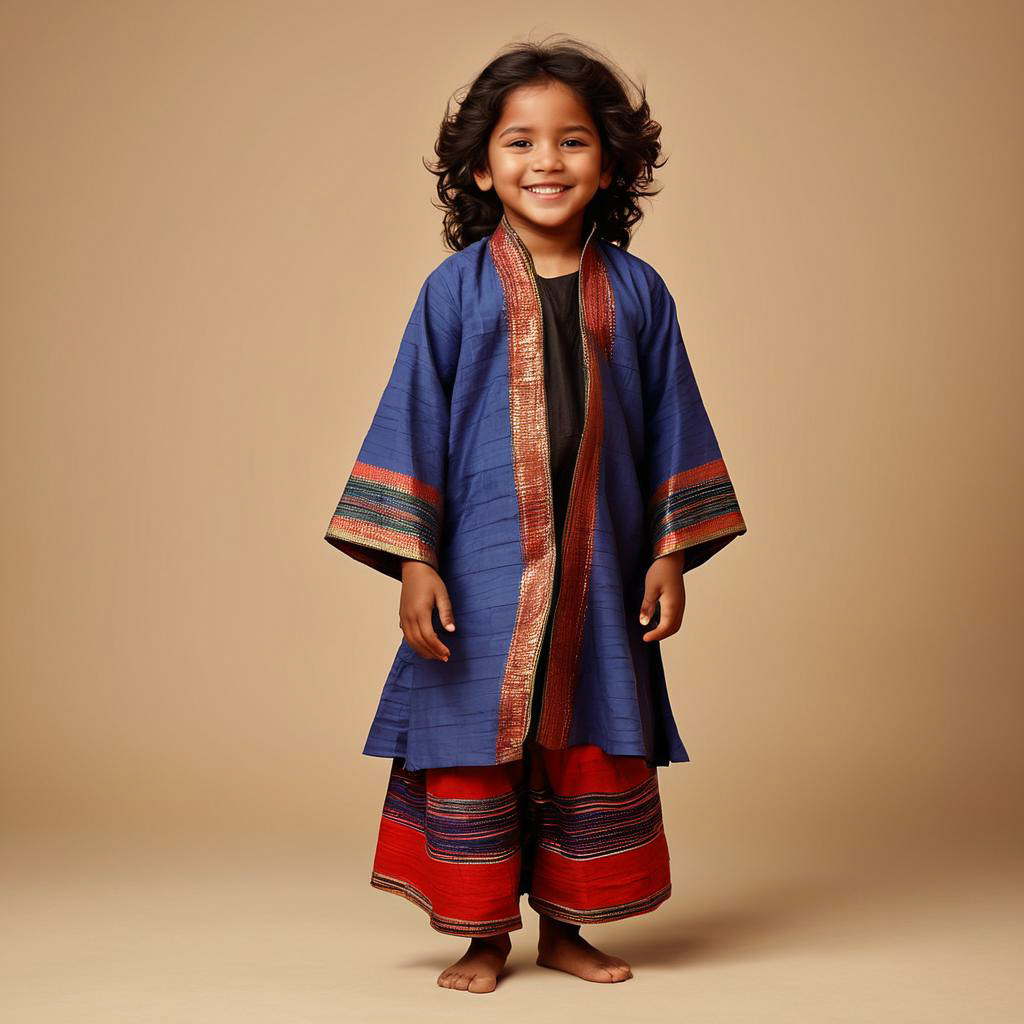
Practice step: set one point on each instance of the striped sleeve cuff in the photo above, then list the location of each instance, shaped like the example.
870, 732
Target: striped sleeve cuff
384, 517
696, 509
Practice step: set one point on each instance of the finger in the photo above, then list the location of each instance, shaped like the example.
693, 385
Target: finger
413, 637
662, 630
650, 602
430, 638
670, 608
444, 609
670, 617
414, 631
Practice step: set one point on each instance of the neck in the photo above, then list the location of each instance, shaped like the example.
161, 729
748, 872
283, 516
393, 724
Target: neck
556, 250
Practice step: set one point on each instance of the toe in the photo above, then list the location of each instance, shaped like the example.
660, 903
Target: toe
461, 982
482, 983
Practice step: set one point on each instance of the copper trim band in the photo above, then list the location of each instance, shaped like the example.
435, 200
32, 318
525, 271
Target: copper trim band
597, 315
530, 452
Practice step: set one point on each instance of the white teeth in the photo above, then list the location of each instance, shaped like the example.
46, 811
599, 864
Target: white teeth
548, 190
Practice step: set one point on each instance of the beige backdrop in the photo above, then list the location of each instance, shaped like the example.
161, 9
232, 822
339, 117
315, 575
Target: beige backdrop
215, 221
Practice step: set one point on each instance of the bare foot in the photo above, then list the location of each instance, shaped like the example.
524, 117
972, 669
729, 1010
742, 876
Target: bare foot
478, 968
562, 948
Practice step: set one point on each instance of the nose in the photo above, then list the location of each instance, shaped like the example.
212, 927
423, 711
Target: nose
547, 155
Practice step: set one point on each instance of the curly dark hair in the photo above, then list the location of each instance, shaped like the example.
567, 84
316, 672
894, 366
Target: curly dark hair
629, 137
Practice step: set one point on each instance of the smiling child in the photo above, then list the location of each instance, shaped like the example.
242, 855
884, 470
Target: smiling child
540, 474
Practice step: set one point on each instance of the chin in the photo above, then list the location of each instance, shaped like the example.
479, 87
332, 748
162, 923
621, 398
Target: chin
546, 218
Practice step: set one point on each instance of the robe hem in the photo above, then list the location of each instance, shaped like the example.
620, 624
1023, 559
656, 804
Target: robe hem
664, 761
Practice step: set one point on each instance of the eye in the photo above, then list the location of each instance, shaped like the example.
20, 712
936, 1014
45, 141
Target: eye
515, 143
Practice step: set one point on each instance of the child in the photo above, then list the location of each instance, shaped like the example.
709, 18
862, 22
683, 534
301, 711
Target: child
540, 470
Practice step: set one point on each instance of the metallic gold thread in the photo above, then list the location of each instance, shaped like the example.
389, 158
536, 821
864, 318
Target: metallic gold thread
532, 474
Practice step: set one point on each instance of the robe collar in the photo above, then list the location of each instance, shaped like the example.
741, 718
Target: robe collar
505, 227
516, 268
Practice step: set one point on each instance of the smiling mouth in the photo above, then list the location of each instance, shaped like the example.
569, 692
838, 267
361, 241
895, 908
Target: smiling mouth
547, 190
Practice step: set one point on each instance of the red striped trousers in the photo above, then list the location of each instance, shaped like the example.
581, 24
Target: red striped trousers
580, 831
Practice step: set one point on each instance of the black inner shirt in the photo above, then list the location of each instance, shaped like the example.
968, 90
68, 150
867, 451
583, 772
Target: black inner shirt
564, 386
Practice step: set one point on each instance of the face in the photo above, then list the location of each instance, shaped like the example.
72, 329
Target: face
544, 136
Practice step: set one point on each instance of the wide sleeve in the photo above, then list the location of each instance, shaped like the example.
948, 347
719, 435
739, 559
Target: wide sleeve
690, 500
392, 505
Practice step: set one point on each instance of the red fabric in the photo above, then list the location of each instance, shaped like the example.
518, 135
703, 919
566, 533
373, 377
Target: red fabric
577, 829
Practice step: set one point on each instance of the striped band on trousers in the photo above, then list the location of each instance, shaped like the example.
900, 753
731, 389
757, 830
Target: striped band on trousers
578, 830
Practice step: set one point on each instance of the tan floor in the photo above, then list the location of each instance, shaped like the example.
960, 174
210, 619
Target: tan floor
141, 934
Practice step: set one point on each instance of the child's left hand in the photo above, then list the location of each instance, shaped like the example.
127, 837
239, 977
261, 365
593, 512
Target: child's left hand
664, 587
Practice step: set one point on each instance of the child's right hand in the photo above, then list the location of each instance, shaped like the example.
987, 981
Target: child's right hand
422, 589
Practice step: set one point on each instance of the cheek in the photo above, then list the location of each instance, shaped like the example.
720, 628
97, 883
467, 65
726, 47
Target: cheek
505, 168
594, 166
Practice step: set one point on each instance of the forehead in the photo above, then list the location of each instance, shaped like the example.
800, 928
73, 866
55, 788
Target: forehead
542, 106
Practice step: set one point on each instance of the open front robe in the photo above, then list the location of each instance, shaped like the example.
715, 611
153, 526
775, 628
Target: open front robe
454, 471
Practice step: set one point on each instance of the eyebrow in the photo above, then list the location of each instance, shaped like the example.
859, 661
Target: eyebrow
565, 128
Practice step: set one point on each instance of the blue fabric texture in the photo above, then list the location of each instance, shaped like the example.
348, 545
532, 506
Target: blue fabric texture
444, 476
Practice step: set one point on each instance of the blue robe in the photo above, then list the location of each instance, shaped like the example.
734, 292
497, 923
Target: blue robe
454, 471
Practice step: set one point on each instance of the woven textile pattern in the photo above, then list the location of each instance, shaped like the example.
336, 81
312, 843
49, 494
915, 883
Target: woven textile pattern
577, 830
